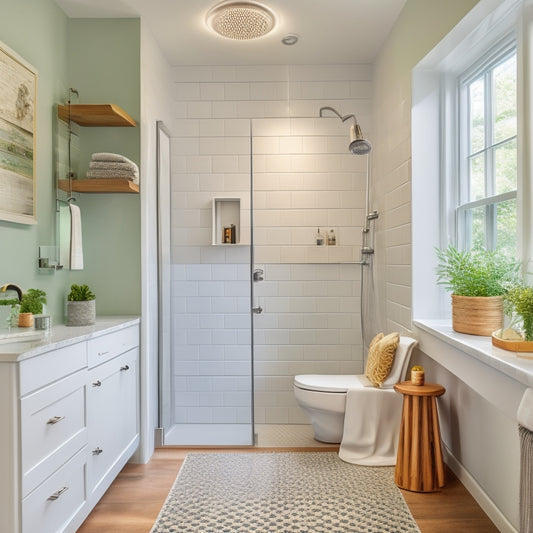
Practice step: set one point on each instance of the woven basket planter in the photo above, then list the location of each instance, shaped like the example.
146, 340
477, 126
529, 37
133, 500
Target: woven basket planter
81, 313
25, 320
477, 315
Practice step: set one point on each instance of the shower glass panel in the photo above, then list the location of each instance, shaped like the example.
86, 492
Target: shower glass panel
210, 296
255, 304
304, 179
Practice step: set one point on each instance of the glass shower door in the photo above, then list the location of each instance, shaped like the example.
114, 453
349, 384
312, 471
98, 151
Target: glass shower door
209, 364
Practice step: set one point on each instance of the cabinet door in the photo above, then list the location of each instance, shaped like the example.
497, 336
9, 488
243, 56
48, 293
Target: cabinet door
112, 417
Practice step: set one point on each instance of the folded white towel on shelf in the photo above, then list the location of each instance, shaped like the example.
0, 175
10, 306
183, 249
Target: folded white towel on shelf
108, 156
112, 165
76, 245
101, 173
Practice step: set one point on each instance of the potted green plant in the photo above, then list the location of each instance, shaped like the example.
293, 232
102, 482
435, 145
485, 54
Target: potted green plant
517, 334
81, 306
31, 304
478, 280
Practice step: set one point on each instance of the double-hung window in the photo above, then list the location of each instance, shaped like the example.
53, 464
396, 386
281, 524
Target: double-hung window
486, 212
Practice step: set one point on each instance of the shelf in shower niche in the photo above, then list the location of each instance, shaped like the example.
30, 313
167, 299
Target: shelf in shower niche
229, 244
226, 223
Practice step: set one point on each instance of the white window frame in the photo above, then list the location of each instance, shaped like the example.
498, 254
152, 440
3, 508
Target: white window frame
435, 144
481, 68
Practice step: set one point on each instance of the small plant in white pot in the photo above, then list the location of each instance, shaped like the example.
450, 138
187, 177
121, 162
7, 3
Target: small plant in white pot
81, 306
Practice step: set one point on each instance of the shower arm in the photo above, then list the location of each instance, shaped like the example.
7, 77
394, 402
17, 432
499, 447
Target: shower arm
343, 118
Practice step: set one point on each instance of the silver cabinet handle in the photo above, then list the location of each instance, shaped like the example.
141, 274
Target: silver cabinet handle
97, 451
56, 495
55, 420
102, 353
257, 310
125, 367
97, 383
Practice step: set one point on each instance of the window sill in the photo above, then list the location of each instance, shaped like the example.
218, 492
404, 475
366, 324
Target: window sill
500, 376
481, 348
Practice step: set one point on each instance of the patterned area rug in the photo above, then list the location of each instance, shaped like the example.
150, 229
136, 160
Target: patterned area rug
311, 492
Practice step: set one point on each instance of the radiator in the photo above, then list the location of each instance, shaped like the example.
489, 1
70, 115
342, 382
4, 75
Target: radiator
525, 430
526, 479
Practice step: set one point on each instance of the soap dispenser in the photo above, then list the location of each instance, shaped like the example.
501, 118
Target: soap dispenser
332, 240
319, 238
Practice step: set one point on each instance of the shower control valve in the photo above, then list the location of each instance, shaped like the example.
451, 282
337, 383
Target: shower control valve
258, 274
257, 310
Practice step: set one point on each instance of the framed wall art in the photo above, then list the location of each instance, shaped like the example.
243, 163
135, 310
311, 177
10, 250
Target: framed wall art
18, 99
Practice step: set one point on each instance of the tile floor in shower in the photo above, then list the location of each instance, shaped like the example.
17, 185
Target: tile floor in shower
297, 435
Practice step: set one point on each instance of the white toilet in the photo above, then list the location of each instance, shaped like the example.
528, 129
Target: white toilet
323, 397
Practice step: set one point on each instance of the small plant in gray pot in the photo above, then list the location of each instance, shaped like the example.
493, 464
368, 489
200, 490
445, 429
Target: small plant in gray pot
81, 308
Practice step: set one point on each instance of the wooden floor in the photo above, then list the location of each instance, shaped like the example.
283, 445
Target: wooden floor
134, 500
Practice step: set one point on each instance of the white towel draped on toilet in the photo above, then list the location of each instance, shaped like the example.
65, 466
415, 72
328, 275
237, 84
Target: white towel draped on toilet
372, 439
76, 246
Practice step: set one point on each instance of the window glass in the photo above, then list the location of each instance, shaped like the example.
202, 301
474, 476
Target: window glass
487, 209
477, 178
504, 90
505, 167
475, 223
477, 115
506, 227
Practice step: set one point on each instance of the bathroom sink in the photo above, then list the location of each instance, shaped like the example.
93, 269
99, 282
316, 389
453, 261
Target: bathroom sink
17, 335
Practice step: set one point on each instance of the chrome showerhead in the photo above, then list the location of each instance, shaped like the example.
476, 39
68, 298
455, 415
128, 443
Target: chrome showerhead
358, 144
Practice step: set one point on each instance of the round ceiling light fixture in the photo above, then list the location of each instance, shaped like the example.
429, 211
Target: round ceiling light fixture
241, 21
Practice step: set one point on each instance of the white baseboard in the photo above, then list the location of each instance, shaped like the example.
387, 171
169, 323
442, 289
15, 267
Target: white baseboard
481, 497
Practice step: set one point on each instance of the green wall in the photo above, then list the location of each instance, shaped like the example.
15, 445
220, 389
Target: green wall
104, 66
101, 59
38, 32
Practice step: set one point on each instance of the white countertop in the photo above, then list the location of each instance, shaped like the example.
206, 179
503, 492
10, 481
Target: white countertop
61, 336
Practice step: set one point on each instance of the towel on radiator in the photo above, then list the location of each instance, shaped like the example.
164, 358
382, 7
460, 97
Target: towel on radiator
371, 439
76, 246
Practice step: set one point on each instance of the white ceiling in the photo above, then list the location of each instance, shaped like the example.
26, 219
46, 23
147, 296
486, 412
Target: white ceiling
330, 31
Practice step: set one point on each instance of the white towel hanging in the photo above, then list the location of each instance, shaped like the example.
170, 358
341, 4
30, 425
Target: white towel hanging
76, 246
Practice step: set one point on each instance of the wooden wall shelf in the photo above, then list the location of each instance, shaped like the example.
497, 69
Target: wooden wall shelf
103, 185
95, 115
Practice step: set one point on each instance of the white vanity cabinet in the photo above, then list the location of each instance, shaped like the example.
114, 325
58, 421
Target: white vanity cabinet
111, 407
70, 423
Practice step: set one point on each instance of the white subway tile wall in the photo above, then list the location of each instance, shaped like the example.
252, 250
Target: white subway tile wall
303, 178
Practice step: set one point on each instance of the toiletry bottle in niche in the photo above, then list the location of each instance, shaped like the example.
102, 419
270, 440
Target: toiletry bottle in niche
319, 238
233, 234
226, 235
332, 240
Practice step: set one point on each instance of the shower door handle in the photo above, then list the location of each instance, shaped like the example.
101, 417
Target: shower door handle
257, 310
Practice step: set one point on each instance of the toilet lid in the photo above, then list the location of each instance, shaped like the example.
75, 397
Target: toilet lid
327, 383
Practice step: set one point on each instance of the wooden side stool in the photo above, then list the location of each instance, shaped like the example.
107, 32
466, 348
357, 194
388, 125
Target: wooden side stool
419, 465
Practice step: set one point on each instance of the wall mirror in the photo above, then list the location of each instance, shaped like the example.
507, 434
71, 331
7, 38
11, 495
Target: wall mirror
66, 164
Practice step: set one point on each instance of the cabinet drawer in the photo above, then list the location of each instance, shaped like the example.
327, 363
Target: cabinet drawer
53, 428
54, 503
104, 348
52, 366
